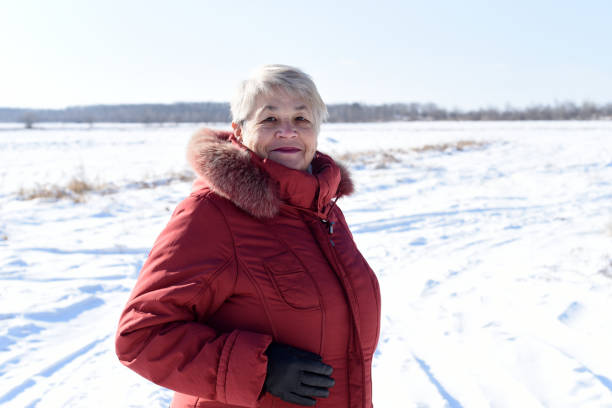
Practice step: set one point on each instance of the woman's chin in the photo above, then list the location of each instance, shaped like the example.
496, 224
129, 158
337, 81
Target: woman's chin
296, 163
292, 165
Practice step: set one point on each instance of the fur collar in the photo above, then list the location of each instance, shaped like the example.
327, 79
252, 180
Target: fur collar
258, 186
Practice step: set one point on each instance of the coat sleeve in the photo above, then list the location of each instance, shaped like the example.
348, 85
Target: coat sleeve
162, 334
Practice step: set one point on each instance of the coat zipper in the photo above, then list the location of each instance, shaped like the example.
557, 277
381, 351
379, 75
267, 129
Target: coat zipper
338, 266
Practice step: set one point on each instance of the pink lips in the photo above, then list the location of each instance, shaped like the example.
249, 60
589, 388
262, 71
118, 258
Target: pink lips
287, 150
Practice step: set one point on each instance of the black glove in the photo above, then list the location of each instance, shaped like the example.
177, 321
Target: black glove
296, 375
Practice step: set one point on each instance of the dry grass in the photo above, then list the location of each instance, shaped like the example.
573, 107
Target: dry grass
77, 188
378, 158
172, 177
74, 190
607, 270
382, 159
183, 176
446, 147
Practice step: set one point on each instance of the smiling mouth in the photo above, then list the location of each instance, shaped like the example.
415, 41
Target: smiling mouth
287, 150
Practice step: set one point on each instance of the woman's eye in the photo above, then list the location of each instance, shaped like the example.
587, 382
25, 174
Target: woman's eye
269, 119
301, 119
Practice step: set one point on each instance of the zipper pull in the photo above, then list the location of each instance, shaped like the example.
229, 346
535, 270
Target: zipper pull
330, 226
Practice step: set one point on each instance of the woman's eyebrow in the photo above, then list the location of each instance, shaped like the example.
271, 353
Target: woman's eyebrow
273, 108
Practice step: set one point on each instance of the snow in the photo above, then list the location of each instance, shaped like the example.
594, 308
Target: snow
495, 261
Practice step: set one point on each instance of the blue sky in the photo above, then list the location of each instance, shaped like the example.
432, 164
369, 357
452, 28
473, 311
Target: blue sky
456, 54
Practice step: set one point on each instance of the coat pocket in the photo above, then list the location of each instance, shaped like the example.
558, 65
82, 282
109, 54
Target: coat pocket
294, 285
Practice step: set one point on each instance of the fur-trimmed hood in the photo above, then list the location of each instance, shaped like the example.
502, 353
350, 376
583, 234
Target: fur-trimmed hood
260, 186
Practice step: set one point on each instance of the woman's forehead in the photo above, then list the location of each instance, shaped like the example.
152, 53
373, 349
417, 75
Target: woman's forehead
280, 101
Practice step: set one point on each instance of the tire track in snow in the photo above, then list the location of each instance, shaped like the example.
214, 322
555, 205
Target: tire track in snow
12, 361
66, 313
583, 368
452, 402
17, 390
95, 251
404, 223
50, 370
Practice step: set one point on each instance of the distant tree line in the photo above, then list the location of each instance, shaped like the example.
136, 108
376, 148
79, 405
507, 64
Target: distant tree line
344, 112
356, 112
137, 113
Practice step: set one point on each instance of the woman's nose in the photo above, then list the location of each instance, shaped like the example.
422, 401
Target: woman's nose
286, 129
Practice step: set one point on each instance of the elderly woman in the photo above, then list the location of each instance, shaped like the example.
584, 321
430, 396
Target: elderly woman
254, 294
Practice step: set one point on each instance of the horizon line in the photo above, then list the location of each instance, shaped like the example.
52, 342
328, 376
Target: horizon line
456, 109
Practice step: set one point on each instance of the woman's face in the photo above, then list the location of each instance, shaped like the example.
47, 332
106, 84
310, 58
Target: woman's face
280, 128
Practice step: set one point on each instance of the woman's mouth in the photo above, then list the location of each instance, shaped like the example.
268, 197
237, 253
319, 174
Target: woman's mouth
287, 150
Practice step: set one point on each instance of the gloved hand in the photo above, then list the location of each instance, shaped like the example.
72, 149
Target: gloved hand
296, 375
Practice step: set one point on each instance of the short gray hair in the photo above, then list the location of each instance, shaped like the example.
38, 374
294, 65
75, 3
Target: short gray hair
269, 78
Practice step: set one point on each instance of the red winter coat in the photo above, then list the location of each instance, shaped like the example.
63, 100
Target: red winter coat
258, 252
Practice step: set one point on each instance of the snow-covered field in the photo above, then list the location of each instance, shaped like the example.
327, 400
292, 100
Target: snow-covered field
495, 261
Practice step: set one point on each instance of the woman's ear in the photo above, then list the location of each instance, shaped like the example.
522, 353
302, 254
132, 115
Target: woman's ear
237, 131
